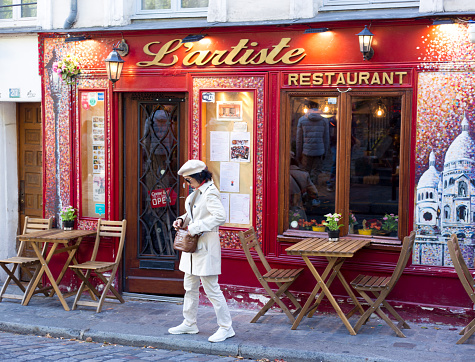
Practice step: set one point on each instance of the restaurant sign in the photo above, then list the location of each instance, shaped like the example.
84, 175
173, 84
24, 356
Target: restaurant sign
345, 78
243, 53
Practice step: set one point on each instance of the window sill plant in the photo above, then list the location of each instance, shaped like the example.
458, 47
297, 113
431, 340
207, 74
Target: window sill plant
365, 230
331, 223
68, 214
318, 227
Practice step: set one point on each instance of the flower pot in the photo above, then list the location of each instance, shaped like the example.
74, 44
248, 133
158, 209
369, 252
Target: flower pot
351, 229
68, 224
318, 228
364, 232
333, 235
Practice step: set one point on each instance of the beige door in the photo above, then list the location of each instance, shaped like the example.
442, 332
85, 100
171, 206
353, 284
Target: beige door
30, 162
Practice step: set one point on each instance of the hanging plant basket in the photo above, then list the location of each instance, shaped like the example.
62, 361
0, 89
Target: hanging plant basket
68, 68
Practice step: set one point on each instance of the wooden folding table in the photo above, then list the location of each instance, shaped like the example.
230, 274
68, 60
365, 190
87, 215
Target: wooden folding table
59, 240
336, 254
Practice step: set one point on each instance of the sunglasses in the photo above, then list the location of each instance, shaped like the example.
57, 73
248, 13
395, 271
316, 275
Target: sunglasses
188, 180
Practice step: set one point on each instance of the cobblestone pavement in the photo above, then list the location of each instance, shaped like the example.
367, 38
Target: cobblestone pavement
15, 347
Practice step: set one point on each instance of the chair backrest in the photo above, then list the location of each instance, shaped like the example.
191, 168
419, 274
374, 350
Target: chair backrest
115, 229
249, 241
406, 252
32, 225
461, 267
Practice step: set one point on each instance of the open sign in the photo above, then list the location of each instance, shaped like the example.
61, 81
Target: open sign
159, 197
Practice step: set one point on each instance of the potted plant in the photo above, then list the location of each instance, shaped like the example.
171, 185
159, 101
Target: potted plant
390, 223
365, 230
331, 223
67, 68
352, 223
68, 214
318, 227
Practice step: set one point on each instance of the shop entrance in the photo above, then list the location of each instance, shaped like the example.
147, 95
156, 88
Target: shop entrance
152, 141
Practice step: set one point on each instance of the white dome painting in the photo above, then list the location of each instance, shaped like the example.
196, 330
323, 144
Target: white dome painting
445, 203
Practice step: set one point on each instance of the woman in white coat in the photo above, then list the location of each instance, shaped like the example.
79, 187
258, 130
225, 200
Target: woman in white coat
204, 214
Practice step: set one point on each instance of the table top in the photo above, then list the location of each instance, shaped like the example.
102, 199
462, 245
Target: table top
322, 247
55, 235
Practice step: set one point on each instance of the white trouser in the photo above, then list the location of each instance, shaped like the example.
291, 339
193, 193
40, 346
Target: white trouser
191, 284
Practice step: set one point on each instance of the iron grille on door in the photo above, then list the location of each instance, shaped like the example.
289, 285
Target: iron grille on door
158, 182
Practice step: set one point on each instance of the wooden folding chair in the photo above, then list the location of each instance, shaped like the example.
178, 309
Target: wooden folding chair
381, 287
466, 279
24, 262
85, 270
283, 278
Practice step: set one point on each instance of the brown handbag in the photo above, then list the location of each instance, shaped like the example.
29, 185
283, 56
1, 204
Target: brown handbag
184, 241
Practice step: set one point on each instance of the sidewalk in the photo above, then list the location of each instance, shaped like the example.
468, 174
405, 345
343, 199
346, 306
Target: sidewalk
321, 338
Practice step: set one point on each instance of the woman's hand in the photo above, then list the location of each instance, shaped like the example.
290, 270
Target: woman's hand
177, 224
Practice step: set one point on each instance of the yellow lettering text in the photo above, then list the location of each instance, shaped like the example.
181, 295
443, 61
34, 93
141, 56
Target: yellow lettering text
364, 76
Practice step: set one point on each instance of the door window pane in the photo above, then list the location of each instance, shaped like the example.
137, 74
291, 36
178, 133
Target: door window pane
375, 140
312, 160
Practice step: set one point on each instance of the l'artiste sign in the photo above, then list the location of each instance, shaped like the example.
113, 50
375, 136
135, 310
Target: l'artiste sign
243, 53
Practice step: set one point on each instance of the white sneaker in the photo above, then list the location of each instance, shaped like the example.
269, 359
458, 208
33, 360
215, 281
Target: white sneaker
184, 329
222, 334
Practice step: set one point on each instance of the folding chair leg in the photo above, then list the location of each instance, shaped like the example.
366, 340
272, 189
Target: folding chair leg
468, 332
111, 287
365, 316
402, 322
107, 287
274, 298
11, 276
81, 288
467, 327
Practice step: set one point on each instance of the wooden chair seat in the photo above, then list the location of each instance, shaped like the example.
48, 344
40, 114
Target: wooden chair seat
466, 279
30, 225
114, 229
283, 278
368, 282
94, 265
282, 275
380, 287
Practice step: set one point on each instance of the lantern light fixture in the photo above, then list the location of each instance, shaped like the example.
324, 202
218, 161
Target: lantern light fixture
193, 38
365, 38
114, 63
380, 110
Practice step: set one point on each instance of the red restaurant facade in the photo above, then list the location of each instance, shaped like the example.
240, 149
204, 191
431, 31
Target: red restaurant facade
234, 100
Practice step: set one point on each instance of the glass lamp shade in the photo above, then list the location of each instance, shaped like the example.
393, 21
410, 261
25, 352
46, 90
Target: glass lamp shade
114, 65
365, 38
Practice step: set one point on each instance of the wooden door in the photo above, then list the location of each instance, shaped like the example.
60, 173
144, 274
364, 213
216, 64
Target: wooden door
153, 150
30, 164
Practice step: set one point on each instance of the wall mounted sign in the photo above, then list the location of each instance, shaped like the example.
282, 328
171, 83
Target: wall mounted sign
14, 92
165, 55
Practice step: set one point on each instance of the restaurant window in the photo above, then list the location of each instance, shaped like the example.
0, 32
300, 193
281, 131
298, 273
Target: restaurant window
343, 153
17, 9
170, 8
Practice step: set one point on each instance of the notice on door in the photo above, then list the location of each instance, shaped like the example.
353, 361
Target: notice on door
158, 198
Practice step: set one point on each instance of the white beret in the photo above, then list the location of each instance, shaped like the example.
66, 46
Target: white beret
191, 167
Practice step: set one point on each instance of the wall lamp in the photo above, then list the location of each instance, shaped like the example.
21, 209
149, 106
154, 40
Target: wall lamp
114, 63
365, 38
193, 38
70, 38
442, 21
315, 30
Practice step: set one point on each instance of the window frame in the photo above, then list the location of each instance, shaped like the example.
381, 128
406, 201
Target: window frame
16, 13
332, 5
174, 12
342, 182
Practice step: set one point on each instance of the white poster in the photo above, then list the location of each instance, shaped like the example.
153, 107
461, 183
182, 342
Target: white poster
98, 188
240, 146
225, 202
239, 208
229, 177
219, 146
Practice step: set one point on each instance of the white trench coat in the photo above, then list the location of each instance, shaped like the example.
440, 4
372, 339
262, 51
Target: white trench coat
207, 215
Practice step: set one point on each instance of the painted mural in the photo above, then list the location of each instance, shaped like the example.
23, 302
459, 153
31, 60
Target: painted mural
445, 146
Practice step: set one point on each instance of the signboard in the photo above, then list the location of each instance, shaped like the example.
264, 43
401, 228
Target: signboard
158, 198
